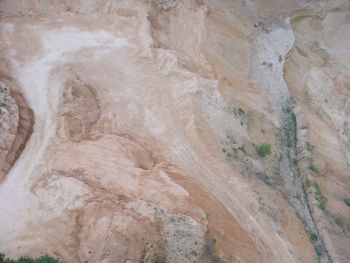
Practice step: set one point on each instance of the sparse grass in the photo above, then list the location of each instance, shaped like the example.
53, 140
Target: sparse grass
323, 203
322, 200
230, 153
43, 259
289, 130
319, 251
340, 221
230, 137
216, 259
238, 114
264, 149
313, 237
347, 201
241, 111
318, 189
309, 147
242, 149
297, 197
208, 250
314, 168
307, 183
160, 259
345, 226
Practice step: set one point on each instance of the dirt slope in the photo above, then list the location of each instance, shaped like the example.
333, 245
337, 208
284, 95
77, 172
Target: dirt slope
147, 120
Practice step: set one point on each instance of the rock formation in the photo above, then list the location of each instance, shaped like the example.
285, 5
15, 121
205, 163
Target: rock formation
175, 130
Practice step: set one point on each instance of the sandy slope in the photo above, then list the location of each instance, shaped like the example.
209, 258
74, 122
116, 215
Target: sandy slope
33, 76
147, 118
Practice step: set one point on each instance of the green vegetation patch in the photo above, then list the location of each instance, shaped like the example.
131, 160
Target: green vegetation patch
323, 204
264, 149
208, 250
241, 111
307, 183
313, 237
343, 224
289, 130
319, 251
216, 259
309, 147
43, 259
209, 247
322, 200
315, 169
347, 201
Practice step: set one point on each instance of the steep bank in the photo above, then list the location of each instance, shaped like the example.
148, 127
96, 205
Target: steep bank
317, 78
274, 39
267, 70
17, 121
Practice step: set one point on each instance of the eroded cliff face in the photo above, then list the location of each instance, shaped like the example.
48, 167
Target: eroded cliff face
147, 120
317, 74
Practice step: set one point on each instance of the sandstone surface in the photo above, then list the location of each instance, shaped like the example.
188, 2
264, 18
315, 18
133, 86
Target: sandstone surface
131, 130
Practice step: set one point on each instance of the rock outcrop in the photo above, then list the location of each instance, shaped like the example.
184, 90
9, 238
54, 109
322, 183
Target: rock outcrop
16, 123
175, 131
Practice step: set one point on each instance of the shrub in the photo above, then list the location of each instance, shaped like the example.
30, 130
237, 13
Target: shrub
347, 201
320, 197
289, 131
209, 247
341, 222
208, 250
319, 251
345, 226
264, 149
216, 259
323, 203
318, 189
313, 237
160, 259
307, 183
230, 153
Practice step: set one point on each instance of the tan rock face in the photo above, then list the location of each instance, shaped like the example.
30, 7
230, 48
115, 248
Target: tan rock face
149, 116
